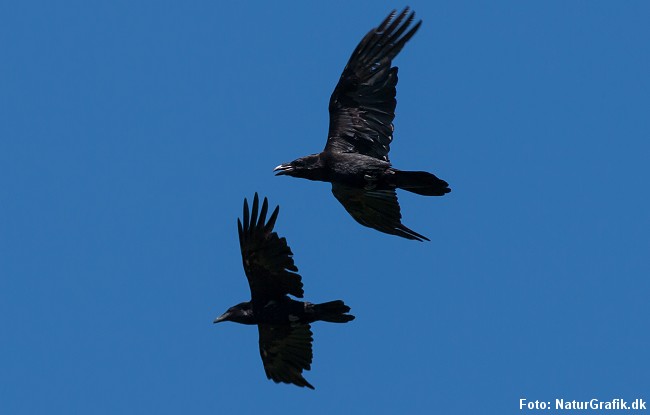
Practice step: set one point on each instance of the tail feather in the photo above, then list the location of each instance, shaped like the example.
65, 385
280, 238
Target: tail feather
420, 182
333, 312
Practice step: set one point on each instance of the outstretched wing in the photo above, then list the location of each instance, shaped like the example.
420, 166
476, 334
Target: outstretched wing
286, 351
362, 106
377, 209
267, 258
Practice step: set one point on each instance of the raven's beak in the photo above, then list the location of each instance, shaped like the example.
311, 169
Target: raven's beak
283, 169
221, 318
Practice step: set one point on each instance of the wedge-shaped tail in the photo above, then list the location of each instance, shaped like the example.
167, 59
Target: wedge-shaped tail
420, 182
333, 312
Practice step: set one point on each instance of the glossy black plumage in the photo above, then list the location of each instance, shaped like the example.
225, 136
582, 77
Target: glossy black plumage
362, 108
285, 336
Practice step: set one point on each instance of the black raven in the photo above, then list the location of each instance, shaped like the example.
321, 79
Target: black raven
355, 158
283, 323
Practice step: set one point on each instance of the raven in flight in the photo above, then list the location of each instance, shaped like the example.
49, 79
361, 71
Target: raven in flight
355, 158
283, 323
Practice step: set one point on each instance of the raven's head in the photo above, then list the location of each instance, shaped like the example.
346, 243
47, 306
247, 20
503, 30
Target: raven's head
240, 313
308, 167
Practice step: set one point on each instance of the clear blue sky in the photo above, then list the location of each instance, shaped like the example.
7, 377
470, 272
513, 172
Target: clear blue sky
130, 132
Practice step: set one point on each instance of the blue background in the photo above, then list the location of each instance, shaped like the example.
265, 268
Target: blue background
130, 132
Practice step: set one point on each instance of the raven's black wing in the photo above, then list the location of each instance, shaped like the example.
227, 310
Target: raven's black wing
267, 258
362, 106
377, 209
286, 351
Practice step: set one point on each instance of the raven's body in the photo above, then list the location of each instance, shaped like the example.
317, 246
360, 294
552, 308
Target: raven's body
286, 311
361, 171
283, 323
355, 158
